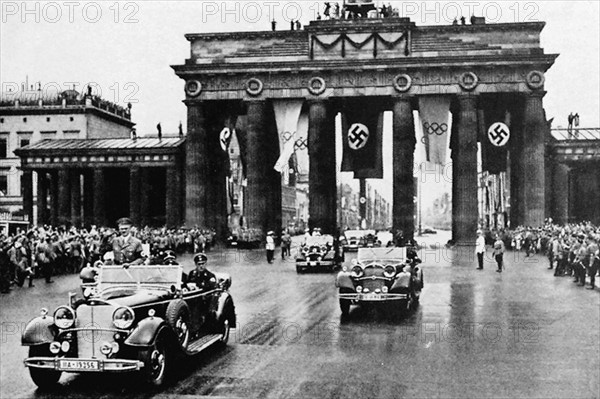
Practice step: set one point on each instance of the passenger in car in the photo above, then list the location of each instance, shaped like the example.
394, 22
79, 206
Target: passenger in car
200, 277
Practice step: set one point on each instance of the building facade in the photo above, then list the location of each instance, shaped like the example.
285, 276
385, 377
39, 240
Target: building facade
28, 117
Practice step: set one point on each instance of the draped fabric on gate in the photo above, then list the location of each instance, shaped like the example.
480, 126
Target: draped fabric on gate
434, 112
493, 157
362, 131
287, 113
301, 145
240, 133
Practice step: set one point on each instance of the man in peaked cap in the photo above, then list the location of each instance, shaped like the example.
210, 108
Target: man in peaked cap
202, 278
127, 249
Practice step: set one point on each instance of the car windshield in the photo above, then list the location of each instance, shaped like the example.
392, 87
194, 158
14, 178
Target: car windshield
143, 275
381, 255
354, 233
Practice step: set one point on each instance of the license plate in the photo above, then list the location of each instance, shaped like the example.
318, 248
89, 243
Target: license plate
79, 365
313, 263
369, 297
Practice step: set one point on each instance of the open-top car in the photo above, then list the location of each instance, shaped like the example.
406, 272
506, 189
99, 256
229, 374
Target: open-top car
131, 320
317, 252
354, 239
390, 276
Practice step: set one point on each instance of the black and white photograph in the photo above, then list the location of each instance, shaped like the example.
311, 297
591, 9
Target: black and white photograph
299, 199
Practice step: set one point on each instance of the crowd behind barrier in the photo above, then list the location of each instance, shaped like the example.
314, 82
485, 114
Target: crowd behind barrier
572, 249
47, 251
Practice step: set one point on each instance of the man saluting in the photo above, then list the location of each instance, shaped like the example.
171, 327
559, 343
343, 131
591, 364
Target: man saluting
126, 248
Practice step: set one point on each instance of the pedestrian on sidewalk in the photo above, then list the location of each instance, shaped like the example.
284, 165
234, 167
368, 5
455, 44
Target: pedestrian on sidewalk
286, 242
480, 248
499, 253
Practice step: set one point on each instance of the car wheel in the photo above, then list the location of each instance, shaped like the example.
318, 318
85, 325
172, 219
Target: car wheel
345, 306
178, 317
299, 270
156, 361
43, 378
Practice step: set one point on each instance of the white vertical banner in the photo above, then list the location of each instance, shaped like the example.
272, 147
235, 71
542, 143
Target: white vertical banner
287, 113
434, 112
301, 144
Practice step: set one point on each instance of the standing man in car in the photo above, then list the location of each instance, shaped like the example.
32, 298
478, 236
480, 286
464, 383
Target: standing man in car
127, 249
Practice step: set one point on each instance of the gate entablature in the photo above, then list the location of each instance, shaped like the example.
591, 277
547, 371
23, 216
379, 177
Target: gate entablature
379, 57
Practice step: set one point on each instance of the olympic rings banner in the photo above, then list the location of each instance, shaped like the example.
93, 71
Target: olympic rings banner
434, 112
287, 113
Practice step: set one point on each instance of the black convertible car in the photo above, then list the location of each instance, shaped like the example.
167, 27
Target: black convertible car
130, 320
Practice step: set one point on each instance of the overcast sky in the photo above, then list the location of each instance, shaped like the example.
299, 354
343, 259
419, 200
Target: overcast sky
126, 48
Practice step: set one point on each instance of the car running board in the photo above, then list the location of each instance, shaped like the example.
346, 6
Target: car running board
202, 343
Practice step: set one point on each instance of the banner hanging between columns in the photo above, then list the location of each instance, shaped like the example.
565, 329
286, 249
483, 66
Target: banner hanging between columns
434, 112
301, 145
493, 157
362, 130
287, 113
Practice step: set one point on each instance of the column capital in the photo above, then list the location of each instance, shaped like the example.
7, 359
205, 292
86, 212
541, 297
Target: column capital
535, 94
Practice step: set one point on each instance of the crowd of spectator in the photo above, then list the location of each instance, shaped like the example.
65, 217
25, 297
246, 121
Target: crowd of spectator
48, 251
571, 249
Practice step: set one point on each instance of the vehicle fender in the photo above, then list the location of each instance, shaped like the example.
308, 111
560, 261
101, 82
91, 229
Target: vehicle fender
225, 303
40, 330
145, 332
343, 280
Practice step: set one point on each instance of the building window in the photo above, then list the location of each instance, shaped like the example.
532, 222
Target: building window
1, 120
3, 185
48, 119
3, 147
24, 142
71, 134
48, 134
71, 119
24, 119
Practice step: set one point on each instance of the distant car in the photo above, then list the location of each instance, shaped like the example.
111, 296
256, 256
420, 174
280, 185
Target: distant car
383, 276
354, 239
130, 320
317, 252
428, 230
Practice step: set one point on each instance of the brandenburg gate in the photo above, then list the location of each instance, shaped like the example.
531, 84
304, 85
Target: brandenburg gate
483, 71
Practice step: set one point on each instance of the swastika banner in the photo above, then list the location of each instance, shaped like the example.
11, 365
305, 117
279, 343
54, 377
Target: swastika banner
494, 146
362, 127
434, 112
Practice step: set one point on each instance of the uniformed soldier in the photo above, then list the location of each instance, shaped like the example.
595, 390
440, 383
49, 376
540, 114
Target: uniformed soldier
593, 260
127, 249
202, 278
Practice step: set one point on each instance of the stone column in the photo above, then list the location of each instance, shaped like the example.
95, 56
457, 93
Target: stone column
27, 190
64, 197
258, 187
42, 198
172, 198
322, 188
75, 178
560, 193
54, 198
195, 166
464, 173
145, 196
99, 197
403, 147
134, 194
88, 197
532, 168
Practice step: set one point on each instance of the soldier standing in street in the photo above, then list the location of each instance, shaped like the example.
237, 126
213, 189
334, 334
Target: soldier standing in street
270, 247
499, 253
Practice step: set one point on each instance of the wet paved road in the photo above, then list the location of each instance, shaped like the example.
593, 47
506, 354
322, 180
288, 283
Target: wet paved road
477, 334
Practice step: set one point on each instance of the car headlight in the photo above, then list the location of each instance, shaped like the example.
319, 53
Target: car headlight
64, 317
389, 271
357, 271
123, 317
